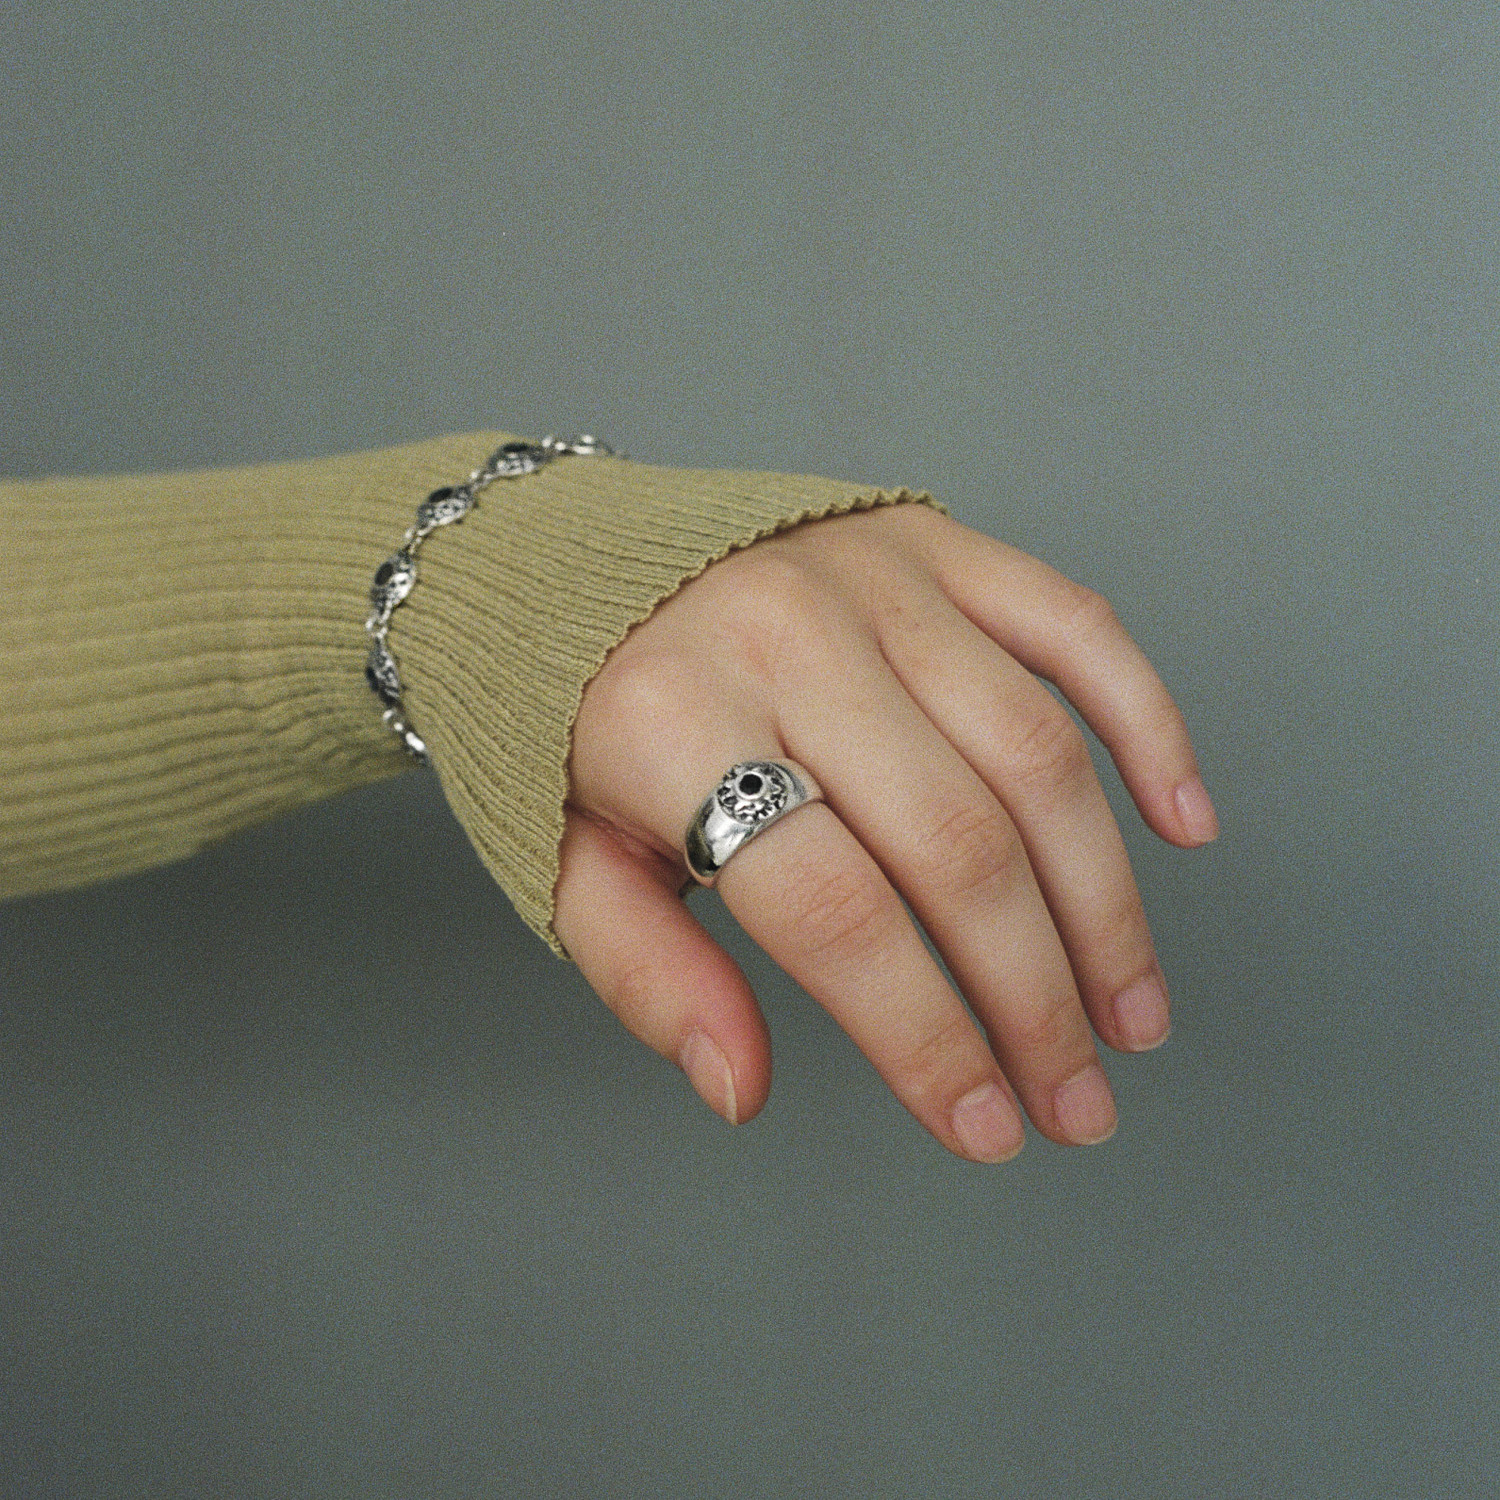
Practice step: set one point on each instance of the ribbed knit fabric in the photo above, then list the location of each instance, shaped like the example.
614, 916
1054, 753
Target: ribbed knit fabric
187, 650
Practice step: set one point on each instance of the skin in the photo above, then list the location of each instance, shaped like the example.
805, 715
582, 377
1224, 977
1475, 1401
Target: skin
896, 654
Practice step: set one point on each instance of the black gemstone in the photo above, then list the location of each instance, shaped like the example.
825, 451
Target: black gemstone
372, 679
439, 495
383, 574
750, 784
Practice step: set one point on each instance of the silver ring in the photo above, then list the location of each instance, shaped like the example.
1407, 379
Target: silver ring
751, 796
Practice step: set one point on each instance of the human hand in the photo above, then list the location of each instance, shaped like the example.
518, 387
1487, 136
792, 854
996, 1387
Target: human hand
891, 652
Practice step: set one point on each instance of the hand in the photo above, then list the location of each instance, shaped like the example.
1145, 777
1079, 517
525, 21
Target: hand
891, 652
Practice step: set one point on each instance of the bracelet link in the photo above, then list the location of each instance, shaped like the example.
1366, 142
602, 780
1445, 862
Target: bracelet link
394, 580
381, 674
443, 507
516, 459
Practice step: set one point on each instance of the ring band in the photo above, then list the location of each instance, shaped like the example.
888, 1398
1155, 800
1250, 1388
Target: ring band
751, 796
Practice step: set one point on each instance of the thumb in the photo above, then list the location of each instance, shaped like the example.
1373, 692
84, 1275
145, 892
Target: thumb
619, 914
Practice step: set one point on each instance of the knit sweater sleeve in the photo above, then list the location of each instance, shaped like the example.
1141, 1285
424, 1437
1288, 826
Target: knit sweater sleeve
188, 651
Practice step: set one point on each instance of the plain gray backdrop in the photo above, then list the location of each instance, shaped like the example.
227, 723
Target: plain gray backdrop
321, 1176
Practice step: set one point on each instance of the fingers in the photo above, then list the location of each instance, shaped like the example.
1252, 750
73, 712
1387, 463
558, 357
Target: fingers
1026, 748
1070, 635
947, 843
813, 898
648, 957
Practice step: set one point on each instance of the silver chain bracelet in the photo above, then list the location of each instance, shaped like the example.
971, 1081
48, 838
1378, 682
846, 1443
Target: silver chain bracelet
397, 575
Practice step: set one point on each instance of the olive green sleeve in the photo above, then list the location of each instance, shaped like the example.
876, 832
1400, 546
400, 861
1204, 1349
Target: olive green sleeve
187, 650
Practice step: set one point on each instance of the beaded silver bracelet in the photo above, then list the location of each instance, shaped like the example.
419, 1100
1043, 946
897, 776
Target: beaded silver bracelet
396, 576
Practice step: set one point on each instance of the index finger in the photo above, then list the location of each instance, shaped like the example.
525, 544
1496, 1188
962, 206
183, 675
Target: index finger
1071, 635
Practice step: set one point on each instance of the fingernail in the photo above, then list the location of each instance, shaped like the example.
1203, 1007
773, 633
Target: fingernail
987, 1125
1199, 820
704, 1064
1141, 1013
1085, 1107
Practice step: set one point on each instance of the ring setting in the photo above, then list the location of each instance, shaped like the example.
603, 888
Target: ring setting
749, 797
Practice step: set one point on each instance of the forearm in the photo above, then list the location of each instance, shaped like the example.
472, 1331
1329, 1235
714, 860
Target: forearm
187, 656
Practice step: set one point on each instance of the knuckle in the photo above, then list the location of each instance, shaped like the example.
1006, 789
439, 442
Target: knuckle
843, 916
905, 520
969, 849
1122, 928
1044, 1029
772, 583
634, 991
779, 614
929, 1067
1050, 752
1087, 612
638, 687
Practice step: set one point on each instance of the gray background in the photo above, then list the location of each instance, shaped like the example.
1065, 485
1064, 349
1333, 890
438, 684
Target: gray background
322, 1176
